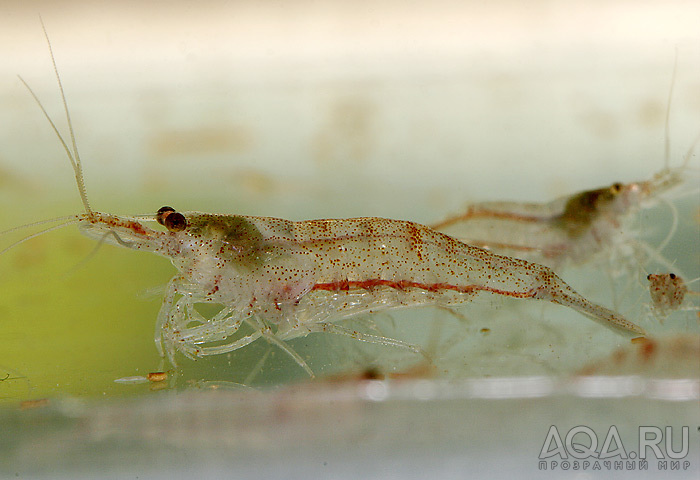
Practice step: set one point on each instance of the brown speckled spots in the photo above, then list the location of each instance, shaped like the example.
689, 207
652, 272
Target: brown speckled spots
667, 292
312, 272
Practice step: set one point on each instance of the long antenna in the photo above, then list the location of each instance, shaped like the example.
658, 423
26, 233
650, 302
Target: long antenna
34, 235
72, 154
667, 133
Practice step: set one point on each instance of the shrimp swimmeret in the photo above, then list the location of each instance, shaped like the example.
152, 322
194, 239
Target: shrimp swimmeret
287, 279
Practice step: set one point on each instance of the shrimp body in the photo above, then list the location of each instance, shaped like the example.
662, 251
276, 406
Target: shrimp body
300, 277
576, 228
569, 230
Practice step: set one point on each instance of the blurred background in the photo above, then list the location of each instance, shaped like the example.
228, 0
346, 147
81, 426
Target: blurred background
303, 110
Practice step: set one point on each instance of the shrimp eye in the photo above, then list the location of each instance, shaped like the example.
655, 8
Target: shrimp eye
616, 188
170, 219
175, 222
672, 275
649, 277
162, 213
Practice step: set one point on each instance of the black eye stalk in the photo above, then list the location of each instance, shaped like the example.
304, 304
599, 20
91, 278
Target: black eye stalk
170, 219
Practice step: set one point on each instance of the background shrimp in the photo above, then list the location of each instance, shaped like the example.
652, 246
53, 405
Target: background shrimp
669, 293
669, 356
572, 229
601, 225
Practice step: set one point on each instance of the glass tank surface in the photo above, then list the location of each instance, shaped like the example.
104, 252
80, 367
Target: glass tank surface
406, 112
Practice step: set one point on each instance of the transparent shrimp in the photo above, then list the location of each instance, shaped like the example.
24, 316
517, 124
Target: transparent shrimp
284, 279
288, 279
573, 229
668, 293
569, 230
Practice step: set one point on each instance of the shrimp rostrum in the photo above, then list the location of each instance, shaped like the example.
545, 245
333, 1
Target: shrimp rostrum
286, 279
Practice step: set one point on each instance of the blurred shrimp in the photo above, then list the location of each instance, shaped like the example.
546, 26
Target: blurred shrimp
577, 228
669, 293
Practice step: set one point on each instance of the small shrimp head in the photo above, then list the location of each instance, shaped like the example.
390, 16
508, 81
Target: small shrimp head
184, 242
211, 251
665, 180
585, 208
618, 199
667, 291
621, 199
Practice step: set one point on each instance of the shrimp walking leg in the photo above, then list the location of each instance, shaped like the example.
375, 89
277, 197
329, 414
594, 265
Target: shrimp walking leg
230, 347
177, 334
162, 323
272, 339
363, 337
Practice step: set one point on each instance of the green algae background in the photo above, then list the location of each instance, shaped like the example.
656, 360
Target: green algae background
76, 316
73, 321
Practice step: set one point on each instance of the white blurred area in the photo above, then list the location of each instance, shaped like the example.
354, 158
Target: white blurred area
302, 109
